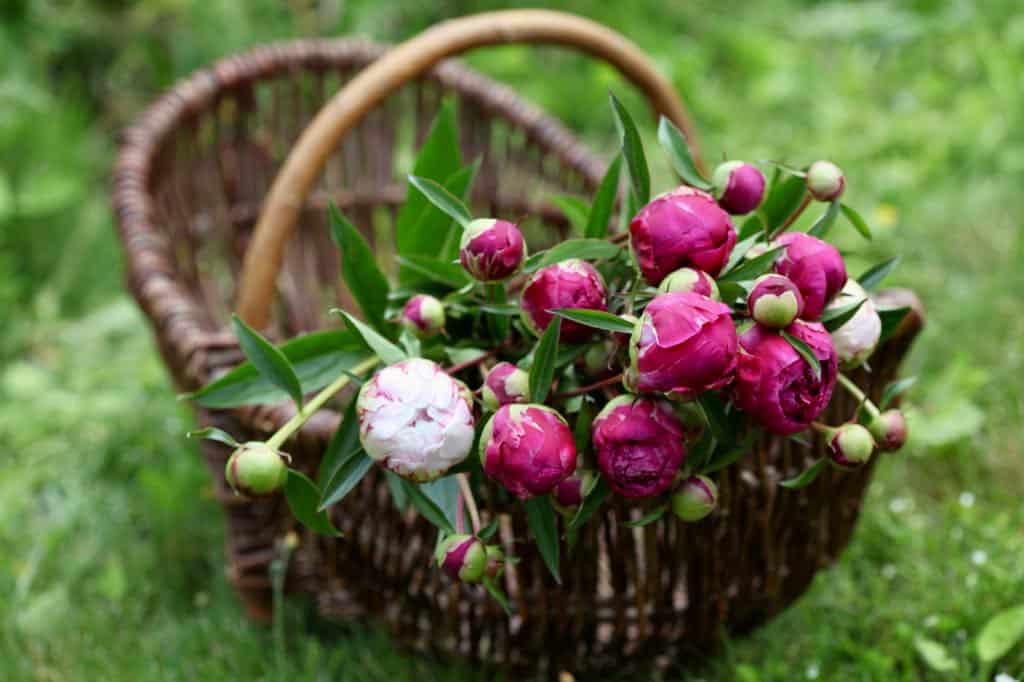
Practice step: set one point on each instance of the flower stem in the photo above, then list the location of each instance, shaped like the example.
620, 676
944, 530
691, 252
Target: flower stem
310, 408
590, 387
467, 498
796, 214
855, 391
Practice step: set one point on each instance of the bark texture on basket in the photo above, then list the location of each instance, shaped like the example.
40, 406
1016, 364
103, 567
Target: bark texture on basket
189, 181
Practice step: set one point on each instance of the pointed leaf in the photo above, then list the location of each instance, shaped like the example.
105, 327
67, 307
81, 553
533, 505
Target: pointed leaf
426, 506
436, 270
213, 433
674, 143
574, 209
891, 319
343, 443
441, 198
834, 318
585, 249
805, 352
753, 268
594, 499
598, 319
935, 655
875, 274
541, 519
304, 500
581, 431
894, 390
359, 269
444, 492
823, 224
648, 518
604, 201
857, 221
738, 252
496, 592
806, 477
346, 477
398, 495
632, 151
784, 197
457, 184
542, 371
1001, 634
714, 413
488, 531
722, 456
269, 361
754, 225
388, 352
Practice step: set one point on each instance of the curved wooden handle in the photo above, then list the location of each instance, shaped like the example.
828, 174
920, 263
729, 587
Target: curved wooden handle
380, 79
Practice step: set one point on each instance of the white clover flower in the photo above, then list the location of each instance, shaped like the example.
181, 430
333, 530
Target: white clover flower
415, 420
855, 341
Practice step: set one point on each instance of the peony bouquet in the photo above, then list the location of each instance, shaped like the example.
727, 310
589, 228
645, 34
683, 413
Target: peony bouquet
636, 362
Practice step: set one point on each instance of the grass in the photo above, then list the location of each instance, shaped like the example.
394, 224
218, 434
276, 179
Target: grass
112, 565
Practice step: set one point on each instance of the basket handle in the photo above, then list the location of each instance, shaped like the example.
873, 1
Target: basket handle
387, 74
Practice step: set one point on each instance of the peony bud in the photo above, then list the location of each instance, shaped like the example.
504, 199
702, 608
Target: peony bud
505, 384
776, 386
423, 315
255, 470
684, 228
697, 497
814, 266
569, 493
889, 429
825, 181
739, 187
528, 449
639, 445
850, 446
415, 420
775, 301
570, 283
492, 250
856, 340
688, 279
600, 358
684, 344
463, 557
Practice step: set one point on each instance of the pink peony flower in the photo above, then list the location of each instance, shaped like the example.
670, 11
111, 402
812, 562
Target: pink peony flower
415, 420
825, 181
814, 266
775, 301
639, 445
684, 344
739, 187
424, 315
697, 497
505, 384
571, 283
889, 429
776, 386
528, 449
688, 279
684, 228
492, 250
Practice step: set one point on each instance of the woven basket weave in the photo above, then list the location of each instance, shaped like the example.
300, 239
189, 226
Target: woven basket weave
190, 183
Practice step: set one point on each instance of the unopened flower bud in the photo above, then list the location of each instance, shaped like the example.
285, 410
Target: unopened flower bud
889, 429
255, 470
572, 283
528, 449
856, 340
688, 279
825, 181
814, 266
775, 301
739, 187
850, 446
599, 360
423, 315
697, 497
568, 494
492, 250
505, 384
464, 558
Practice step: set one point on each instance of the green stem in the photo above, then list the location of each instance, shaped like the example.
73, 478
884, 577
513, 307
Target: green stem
318, 401
855, 391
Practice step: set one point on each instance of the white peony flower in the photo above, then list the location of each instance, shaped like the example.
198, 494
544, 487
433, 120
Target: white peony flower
415, 419
855, 341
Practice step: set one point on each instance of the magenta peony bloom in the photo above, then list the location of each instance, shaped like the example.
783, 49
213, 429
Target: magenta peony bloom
463, 557
889, 429
571, 283
815, 267
684, 228
505, 384
697, 497
639, 445
529, 449
424, 315
825, 181
492, 250
683, 344
776, 386
850, 446
688, 279
739, 187
775, 301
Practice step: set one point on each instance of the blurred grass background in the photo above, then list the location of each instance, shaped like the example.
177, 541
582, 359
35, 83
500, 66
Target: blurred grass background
112, 564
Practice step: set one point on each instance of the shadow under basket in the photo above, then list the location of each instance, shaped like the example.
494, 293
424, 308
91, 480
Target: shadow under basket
189, 184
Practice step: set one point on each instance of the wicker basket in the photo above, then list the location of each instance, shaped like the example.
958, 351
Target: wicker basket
190, 184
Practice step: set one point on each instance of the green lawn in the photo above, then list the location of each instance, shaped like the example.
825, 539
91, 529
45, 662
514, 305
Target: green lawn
112, 564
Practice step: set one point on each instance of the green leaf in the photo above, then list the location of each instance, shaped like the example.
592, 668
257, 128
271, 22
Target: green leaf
805, 352
935, 655
442, 199
585, 249
632, 151
891, 319
457, 184
823, 224
674, 143
894, 390
304, 499
426, 507
436, 270
857, 221
398, 495
388, 352
714, 413
213, 433
604, 201
785, 196
594, 499
806, 477
874, 275
496, 592
1001, 634
754, 225
488, 531
541, 519
359, 269
753, 268
346, 478
574, 209
598, 319
738, 252
503, 309
497, 325
542, 371
834, 318
269, 361
648, 518
343, 443
722, 457
700, 452
444, 492
317, 359
581, 431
